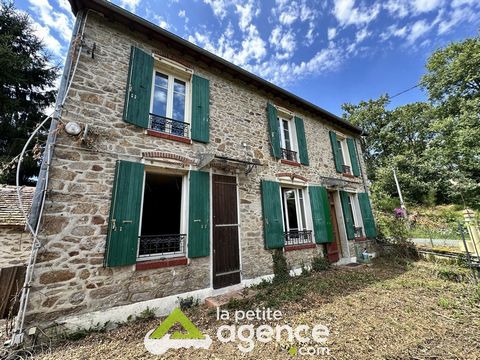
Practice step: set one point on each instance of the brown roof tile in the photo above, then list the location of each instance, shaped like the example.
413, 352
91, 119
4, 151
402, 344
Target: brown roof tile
10, 213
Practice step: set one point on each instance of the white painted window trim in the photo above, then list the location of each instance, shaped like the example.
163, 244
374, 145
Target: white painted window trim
306, 206
357, 215
345, 152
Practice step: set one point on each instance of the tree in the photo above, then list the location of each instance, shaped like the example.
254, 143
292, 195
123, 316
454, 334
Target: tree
26, 90
396, 138
453, 85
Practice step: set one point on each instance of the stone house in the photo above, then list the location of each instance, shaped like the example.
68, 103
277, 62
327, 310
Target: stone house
176, 173
15, 244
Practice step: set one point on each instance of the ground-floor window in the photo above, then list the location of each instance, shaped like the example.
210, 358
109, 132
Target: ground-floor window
357, 217
161, 224
294, 217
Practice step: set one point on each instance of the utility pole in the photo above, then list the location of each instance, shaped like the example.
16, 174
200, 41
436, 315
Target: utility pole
402, 204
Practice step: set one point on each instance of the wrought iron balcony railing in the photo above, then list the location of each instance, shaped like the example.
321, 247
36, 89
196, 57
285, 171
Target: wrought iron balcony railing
289, 155
298, 237
358, 231
346, 169
158, 245
169, 126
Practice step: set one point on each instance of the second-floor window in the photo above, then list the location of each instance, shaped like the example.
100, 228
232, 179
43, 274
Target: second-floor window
169, 105
288, 145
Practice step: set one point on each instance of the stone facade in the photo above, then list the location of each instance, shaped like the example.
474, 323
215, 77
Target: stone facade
15, 246
69, 277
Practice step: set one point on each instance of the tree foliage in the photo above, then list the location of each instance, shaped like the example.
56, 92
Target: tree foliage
434, 146
26, 89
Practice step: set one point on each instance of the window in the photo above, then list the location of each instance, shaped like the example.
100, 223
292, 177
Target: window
294, 219
169, 105
355, 209
344, 155
287, 142
161, 224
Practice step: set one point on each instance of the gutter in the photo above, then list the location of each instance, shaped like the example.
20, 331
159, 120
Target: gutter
113, 11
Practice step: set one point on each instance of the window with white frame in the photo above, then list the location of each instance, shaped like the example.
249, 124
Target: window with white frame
288, 142
170, 102
294, 217
162, 232
356, 214
344, 154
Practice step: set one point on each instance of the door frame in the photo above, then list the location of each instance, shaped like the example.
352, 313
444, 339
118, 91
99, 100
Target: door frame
219, 172
341, 225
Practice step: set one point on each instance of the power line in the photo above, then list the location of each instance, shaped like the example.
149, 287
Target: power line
404, 91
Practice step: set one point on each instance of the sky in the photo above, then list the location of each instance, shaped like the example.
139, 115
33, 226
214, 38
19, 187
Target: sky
327, 52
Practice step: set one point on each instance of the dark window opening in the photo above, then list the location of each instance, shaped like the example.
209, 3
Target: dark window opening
161, 216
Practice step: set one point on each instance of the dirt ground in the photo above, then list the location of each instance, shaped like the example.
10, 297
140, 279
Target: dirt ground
405, 311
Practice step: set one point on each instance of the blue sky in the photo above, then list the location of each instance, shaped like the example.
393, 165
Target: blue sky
328, 52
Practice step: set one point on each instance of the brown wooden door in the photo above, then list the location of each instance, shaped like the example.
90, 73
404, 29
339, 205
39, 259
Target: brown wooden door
334, 250
226, 257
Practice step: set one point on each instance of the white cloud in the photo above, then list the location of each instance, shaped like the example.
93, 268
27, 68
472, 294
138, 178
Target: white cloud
394, 30
181, 13
362, 35
50, 42
283, 42
246, 12
54, 20
417, 30
421, 6
347, 14
331, 33
219, 7
130, 4
65, 5
397, 8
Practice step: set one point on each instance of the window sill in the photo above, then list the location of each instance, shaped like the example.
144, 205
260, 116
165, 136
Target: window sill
289, 162
158, 264
360, 239
300, 247
169, 136
348, 175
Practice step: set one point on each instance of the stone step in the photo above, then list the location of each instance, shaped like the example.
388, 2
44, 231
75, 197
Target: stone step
222, 300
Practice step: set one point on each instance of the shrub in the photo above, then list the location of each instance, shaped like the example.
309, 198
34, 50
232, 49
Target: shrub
281, 270
320, 263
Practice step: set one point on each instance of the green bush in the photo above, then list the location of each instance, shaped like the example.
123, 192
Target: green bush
281, 269
320, 263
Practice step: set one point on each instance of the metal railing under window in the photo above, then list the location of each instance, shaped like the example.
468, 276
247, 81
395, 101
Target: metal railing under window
346, 169
358, 231
169, 126
289, 155
158, 245
298, 237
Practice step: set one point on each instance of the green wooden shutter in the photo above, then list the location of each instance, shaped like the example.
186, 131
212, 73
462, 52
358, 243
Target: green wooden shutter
336, 154
139, 88
367, 215
302, 141
347, 215
322, 222
272, 215
199, 214
353, 156
200, 109
124, 220
274, 131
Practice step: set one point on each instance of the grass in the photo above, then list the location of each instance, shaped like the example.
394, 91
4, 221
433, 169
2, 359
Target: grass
390, 310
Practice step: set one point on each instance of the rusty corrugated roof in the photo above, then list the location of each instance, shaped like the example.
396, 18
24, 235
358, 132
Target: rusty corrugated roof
10, 213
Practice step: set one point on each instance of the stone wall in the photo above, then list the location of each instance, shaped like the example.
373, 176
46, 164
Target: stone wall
15, 246
70, 277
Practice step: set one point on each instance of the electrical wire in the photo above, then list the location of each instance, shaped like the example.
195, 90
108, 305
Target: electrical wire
404, 91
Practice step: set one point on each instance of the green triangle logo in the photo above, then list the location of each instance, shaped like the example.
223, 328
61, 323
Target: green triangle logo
177, 316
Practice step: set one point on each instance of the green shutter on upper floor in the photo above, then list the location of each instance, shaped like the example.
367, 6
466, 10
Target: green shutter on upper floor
272, 215
199, 214
301, 140
322, 222
139, 88
352, 150
335, 151
274, 131
200, 109
347, 215
367, 215
124, 219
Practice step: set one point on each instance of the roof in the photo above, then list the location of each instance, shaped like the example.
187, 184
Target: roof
10, 212
134, 22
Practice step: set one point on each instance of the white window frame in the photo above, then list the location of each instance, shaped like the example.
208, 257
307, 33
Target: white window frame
173, 71
356, 213
183, 214
345, 152
286, 225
